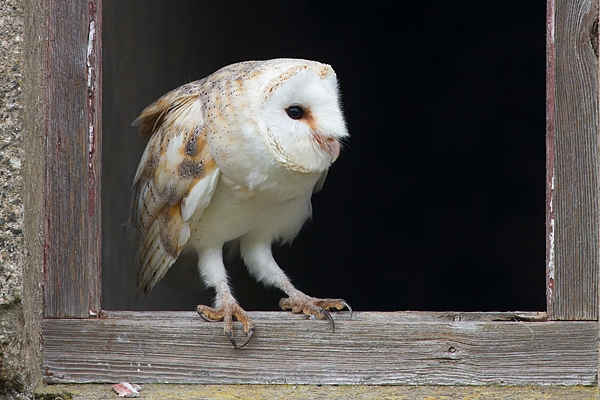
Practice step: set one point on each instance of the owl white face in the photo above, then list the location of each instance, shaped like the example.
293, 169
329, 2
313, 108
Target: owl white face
300, 121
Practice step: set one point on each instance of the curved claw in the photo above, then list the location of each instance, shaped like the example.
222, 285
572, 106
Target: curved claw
228, 315
328, 316
317, 308
344, 302
205, 317
246, 340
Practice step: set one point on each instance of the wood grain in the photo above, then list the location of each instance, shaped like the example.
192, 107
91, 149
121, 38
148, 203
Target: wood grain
372, 348
72, 203
572, 197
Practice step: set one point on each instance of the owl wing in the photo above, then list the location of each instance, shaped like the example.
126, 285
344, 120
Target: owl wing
174, 183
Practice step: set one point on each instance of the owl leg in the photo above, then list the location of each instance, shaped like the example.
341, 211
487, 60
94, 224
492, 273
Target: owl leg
262, 265
226, 308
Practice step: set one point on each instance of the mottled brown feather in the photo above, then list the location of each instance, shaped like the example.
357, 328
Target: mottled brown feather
176, 159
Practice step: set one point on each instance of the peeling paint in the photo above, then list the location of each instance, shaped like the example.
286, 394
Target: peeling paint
551, 252
90, 49
550, 172
93, 71
91, 84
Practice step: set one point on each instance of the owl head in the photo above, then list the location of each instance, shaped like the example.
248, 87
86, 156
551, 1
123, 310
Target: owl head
286, 109
300, 117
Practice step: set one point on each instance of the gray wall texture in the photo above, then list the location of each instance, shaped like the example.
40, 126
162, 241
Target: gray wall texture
20, 266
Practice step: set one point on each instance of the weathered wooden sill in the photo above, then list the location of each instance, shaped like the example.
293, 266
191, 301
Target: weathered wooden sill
393, 348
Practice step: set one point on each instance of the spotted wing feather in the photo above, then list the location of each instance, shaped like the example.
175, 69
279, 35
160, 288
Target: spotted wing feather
174, 182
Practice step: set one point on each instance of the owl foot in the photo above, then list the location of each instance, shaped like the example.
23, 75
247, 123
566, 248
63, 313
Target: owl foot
318, 308
230, 311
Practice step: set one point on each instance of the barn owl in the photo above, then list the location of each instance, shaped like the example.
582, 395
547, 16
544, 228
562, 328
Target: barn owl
235, 157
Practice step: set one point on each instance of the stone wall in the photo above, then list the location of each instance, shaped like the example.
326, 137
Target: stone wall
20, 269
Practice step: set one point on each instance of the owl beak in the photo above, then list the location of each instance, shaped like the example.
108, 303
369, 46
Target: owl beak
333, 147
330, 144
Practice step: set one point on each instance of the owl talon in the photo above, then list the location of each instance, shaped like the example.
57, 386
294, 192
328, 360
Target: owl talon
205, 317
246, 340
318, 308
327, 315
228, 313
343, 302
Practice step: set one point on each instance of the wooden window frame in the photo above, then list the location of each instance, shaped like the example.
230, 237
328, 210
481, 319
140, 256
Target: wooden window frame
82, 343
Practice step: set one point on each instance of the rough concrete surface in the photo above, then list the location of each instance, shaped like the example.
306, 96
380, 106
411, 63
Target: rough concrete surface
11, 182
231, 392
11, 205
19, 346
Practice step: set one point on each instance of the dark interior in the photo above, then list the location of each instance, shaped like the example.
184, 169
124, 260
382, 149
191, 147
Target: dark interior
436, 203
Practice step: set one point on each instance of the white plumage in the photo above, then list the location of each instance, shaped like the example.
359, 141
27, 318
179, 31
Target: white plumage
236, 156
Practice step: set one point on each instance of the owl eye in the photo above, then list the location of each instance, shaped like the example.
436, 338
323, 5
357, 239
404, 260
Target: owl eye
295, 112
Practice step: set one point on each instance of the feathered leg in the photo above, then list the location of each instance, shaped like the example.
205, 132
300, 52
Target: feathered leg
261, 264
